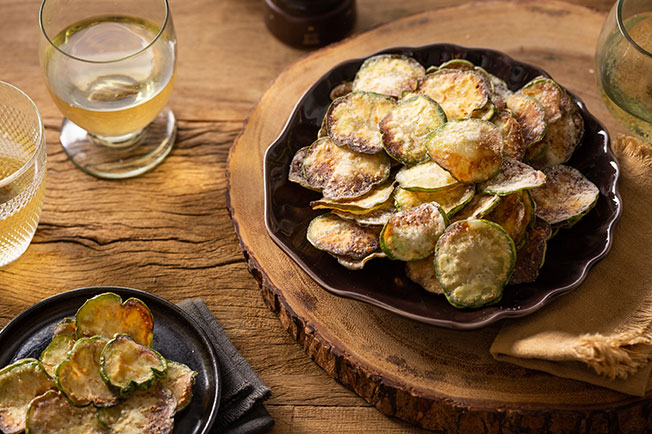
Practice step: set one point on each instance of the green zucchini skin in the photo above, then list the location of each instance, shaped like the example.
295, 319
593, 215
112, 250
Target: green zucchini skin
56, 353
123, 351
20, 382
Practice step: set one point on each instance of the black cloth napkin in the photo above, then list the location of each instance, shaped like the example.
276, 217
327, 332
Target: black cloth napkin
241, 401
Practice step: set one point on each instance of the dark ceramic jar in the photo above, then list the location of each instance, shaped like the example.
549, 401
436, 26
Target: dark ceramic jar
309, 23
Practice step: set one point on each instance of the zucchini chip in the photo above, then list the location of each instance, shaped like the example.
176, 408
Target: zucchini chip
485, 113
478, 207
474, 260
352, 120
514, 176
65, 327
145, 412
515, 213
126, 365
428, 176
56, 353
78, 377
341, 89
106, 314
405, 128
422, 272
450, 200
469, 149
552, 97
501, 92
357, 264
530, 115
513, 141
375, 217
179, 380
51, 413
341, 173
20, 382
296, 168
530, 257
565, 197
388, 74
342, 237
562, 137
411, 235
372, 200
459, 93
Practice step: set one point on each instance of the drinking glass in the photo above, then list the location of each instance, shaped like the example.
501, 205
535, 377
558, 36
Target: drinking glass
109, 66
624, 65
22, 171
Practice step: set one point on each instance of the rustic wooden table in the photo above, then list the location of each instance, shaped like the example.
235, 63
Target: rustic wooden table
168, 231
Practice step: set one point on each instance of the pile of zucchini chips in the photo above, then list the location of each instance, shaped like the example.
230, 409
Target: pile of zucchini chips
448, 170
99, 375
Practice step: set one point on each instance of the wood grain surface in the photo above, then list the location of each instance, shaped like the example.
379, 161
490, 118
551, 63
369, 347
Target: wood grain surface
169, 231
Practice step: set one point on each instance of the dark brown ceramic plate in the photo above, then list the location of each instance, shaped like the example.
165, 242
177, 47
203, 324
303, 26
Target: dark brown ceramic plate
176, 336
383, 282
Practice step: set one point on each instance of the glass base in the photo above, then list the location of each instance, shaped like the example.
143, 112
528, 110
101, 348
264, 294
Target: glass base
122, 157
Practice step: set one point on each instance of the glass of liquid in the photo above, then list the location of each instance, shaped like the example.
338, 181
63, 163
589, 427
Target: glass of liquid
109, 66
22, 171
624, 65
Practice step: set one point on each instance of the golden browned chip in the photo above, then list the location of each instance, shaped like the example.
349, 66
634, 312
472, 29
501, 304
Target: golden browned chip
341, 89
565, 197
513, 140
459, 93
478, 207
530, 115
552, 97
501, 92
65, 327
562, 137
296, 168
51, 413
422, 272
405, 128
514, 213
469, 149
428, 176
343, 237
145, 412
450, 200
530, 257
374, 199
357, 264
373, 217
514, 176
352, 120
388, 74
341, 173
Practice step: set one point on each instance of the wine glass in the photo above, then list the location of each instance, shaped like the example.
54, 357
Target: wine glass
624, 65
109, 66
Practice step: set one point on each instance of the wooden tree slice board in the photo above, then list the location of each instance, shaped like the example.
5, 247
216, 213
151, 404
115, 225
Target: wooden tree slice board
435, 378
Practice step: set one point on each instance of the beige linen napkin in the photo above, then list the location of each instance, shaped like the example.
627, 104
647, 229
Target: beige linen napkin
601, 332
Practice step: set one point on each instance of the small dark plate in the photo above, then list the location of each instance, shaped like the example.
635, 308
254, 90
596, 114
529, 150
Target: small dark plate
383, 282
176, 336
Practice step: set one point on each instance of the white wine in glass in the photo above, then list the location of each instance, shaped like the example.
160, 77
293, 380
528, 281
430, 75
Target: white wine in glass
110, 70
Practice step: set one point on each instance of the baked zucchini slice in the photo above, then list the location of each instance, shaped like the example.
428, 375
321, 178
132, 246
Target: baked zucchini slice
501, 92
515, 213
422, 272
531, 256
474, 259
530, 115
565, 197
56, 353
428, 176
78, 377
296, 168
20, 382
352, 120
562, 137
126, 365
51, 413
106, 314
450, 200
412, 235
341, 173
459, 93
514, 176
513, 141
478, 207
145, 412
357, 264
375, 217
485, 113
342, 237
405, 128
179, 380
341, 89
65, 327
553, 98
388, 74
469, 149
363, 204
